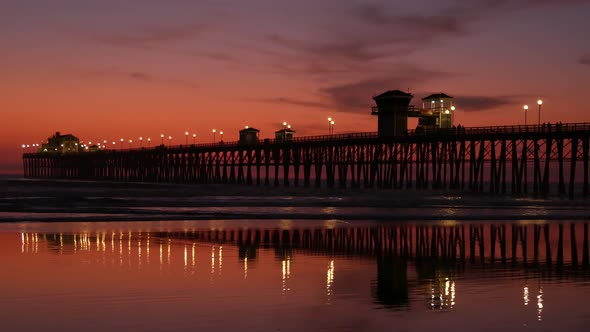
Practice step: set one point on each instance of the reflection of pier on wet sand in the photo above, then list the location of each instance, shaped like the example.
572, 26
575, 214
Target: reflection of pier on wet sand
409, 256
549, 244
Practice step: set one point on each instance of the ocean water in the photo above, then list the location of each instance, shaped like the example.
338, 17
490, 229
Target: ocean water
98, 257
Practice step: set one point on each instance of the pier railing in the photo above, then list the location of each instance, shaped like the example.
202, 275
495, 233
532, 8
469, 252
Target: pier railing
441, 132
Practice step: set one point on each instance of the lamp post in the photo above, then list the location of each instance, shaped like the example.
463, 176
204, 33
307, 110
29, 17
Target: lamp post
186, 137
329, 126
526, 109
140, 142
194, 139
284, 124
149, 141
121, 143
539, 102
130, 141
170, 140
162, 137
332, 126
221, 136
452, 115
213, 136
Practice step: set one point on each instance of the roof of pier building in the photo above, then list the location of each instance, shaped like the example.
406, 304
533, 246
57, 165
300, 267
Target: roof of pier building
438, 96
393, 94
249, 130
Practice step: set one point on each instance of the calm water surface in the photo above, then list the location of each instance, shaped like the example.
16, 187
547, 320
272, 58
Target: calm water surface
285, 275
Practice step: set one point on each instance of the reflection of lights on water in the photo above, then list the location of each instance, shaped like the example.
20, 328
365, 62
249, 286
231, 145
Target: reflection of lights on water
212, 261
286, 274
185, 258
193, 257
139, 251
220, 260
525, 295
169, 250
147, 249
540, 304
245, 267
330, 279
285, 224
443, 298
331, 223
161, 256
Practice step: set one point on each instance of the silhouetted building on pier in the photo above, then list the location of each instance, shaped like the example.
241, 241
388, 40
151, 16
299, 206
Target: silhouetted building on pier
284, 135
392, 111
437, 112
61, 144
249, 135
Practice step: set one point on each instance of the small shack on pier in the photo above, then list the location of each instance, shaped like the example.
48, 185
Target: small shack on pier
284, 135
249, 135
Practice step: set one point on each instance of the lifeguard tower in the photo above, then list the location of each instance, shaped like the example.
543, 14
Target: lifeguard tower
392, 112
438, 112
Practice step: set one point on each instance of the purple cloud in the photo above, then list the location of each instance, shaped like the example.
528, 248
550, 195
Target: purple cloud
149, 37
485, 103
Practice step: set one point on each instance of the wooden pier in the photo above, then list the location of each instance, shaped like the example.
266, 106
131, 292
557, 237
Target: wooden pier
518, 160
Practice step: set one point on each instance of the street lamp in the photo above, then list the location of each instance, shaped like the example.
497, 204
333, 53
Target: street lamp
186, 137
213, 136
130, 141
170, 140
539, 102
329, 125
90, 143
149, 141
162, 137
194, 139
526, 108
221, 136
453, 115
284, 124
141, 142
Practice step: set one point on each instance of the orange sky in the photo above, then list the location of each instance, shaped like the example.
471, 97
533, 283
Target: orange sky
108, 71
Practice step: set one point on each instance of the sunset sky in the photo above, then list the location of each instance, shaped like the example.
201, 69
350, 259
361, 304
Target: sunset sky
123, 69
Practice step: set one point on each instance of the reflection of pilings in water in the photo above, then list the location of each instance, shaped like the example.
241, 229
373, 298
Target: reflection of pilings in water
585, 256
476, 243
391, 287
476, 237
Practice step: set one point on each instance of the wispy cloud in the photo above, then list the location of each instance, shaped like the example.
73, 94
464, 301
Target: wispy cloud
486, 103
356, 95
584, 60
291, 101
152, 36
118, 73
